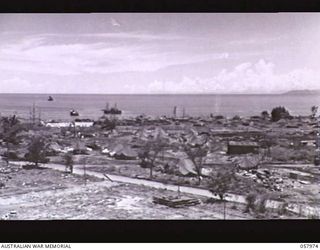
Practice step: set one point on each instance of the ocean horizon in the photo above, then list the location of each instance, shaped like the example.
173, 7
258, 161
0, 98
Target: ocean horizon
90, 106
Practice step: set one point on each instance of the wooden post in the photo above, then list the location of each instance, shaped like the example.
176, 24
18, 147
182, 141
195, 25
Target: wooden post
224, 209
33, 113
74, 129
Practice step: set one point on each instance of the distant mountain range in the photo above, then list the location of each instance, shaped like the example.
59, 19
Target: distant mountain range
303, 92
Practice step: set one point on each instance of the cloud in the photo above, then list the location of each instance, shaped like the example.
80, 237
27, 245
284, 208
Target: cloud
246, 77
253, 41
40, 55
132, 35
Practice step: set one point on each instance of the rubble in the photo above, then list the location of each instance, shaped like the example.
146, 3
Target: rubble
175, 202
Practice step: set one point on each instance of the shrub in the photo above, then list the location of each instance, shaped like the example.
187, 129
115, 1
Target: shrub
112, 169
68, 161
262, 205
234, 207
11, 155
37, 152
218, 117
279, 113
236, 118
265, 114
251, 200
283, 208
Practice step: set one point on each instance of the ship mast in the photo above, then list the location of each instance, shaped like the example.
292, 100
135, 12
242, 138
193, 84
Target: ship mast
174, 111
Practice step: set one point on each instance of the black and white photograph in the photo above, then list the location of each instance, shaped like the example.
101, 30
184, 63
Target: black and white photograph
159, 116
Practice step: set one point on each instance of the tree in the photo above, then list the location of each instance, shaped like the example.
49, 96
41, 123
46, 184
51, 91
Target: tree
37, 151
256, 203
10, 129
251, 202
265, 114
197, 156
222, 182
267, 142
197, 149
278, 113
149, 153
314, 111
68, 162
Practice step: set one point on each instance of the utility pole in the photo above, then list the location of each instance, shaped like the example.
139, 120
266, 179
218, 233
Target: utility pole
39, 116
85, 172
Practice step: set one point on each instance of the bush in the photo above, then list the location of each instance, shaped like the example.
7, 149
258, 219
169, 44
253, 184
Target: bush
262, 205
251, 200
236, 118
37, 152
265, 114
234, 207
283, 208
279, 113
218, 117
112, 169
11, 155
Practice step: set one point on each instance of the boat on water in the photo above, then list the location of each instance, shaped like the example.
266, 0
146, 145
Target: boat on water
112, 111
74, 113
50, 98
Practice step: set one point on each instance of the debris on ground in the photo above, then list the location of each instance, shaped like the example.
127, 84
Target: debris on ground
176, 202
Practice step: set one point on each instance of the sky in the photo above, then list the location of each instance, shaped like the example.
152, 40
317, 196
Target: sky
152, 53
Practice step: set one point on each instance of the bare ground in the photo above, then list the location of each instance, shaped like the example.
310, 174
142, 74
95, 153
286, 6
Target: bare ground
44, 194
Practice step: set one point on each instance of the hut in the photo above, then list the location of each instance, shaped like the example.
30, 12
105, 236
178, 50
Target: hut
186, 167
121, 152
126, 153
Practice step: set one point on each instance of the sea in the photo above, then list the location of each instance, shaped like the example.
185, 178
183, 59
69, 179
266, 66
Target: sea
90, 106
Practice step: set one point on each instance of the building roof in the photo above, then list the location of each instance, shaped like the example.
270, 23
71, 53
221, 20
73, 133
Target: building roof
186, 166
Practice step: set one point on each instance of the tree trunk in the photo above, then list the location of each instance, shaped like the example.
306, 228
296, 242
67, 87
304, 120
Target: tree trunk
198, 170
199, 179
8, 150
151, 171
